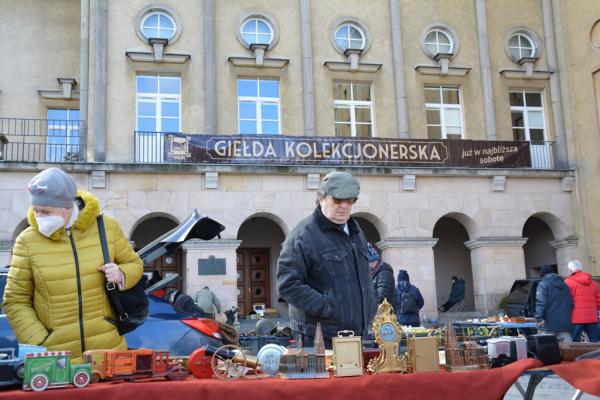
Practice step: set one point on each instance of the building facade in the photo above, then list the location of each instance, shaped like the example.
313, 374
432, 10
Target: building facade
116, 93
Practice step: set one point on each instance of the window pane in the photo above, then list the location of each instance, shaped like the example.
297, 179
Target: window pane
452, 117
514, 41
362, 92
248, 127
433, 117
514, 53
151, 33
517, 118
537, 135
341, 91
247, 110
146, 109
362, 114
151, 21
431, 37
519, 133
434, 132
342, 43
356, 44
445, 48
261, 27
431, 48
269, 89
263, 39
450, 96
247, 88
57, 114
453, 136
270, 128
535, 119
249, 37
452, 130
147, 84
165, 22
363, 130
533, 99
170, 109
270, 111
73, 115
516, 98
169, 125
170, 85
355, 33
146, 124
442, 38
342, 114
432, 95
342, 130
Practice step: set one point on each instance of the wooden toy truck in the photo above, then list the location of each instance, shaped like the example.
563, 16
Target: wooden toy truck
54, 369
132, 364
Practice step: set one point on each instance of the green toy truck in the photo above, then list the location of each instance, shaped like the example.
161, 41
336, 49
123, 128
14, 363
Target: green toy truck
54, 369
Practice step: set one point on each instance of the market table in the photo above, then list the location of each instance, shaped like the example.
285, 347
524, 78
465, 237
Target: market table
520, 327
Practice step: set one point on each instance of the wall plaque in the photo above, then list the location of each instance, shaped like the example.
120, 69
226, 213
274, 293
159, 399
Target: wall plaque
211, 266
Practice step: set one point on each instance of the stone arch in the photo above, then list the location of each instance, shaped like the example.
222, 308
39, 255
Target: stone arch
541, 231
558, 227
374, 228
452, 257
21, 226
262, 235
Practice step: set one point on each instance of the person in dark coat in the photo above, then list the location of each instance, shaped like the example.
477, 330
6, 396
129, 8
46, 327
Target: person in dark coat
382, 275
553, 305
408, 315
323, 268
457, 294
184, 303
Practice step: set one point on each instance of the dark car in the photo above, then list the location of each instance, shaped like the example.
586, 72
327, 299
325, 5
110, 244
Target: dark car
521, 298
165, 328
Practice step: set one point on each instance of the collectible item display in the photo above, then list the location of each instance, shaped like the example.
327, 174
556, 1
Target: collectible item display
347, 354
545, 347
571, 350
268, 358
463, 356
506, 349
132, 364
302, 364
230, 362
200, 364
388, 334
423, 353
54, 369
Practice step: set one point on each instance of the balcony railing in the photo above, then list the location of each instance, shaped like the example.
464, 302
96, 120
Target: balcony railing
541, 155
44, 140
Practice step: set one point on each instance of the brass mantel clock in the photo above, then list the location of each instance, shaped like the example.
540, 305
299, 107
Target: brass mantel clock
388, 334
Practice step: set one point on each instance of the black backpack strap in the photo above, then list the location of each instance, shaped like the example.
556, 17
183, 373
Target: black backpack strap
111, 288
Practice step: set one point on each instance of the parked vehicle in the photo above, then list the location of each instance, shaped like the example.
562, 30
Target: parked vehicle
165, 328
521, 298
12, 363
54, 369
131, 364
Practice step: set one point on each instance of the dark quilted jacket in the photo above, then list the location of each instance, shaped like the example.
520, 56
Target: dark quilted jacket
383, 282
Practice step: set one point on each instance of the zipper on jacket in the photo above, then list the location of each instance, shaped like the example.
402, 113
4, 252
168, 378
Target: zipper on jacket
79, 300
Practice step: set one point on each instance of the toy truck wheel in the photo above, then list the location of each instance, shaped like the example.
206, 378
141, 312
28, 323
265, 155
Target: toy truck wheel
95, 377
20, 371
39, 382
81, 379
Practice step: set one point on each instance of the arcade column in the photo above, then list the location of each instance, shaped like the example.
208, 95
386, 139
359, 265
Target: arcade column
496, 263
212, 263
566, 250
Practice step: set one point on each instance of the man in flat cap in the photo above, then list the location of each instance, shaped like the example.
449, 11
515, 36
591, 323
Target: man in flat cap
323, 268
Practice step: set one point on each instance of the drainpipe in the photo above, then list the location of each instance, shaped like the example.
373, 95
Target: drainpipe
100, 83
210, 84
400, 85
486, 74
84, 66
307, 72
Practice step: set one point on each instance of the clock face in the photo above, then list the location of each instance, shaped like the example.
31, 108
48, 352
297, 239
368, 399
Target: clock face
268, 357
388, 332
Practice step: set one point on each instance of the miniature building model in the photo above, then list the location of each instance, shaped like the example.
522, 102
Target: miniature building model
299, 364
463, 356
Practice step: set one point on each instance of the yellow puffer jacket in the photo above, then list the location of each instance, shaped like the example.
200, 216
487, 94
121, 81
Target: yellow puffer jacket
55, 295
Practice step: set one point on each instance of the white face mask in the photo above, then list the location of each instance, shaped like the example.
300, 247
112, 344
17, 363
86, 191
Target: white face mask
74, 215
49, 224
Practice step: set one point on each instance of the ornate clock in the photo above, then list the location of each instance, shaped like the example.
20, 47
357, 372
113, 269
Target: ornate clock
269, 356
388, 334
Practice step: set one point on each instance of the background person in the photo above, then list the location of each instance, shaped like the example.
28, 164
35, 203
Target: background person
409, 300
55, 294
382, 275
586, 298
208, 302
553, 305
184, 303
323, 268
457, 294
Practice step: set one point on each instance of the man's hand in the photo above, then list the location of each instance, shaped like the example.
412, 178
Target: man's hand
112, 273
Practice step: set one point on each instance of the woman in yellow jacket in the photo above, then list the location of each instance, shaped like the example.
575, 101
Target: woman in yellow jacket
55, 294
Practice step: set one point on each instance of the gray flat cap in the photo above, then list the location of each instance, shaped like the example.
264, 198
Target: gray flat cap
340, 185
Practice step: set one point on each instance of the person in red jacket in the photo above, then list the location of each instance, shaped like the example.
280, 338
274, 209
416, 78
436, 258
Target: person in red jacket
587, 301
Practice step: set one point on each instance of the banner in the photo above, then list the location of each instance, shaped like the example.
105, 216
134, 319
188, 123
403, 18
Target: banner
343, 151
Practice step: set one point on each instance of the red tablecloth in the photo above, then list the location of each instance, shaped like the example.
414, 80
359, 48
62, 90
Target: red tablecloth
485, 384
584, 375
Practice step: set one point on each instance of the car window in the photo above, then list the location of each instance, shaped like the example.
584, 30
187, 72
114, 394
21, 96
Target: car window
519, 293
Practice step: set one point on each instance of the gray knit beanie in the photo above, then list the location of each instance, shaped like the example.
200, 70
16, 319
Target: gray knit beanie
52, 187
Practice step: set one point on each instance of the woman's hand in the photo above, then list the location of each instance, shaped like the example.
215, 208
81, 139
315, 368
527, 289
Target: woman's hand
112, 273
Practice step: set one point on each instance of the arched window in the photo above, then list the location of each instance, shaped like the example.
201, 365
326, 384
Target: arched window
350, 36
257, 31
158, 25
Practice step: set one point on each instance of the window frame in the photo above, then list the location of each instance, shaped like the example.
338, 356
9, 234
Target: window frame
443, 106
256, 33
354, 22
525, 110
349, 39
57, 151
445, 30
352, 105
258, 102
258, 15
533, 38
158, 99
151, 9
